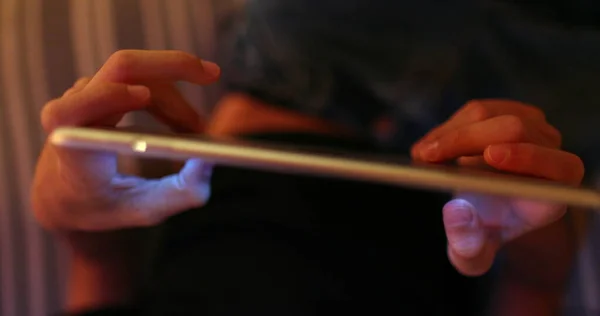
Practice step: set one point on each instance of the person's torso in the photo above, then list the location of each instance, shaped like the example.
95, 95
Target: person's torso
358, 246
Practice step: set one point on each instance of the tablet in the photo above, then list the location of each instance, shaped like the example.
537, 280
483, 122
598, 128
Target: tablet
322, 162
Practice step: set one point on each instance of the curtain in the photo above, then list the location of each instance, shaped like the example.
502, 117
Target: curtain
45, 45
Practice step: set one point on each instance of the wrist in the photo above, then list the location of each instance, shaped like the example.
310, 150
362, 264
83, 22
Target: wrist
106, 267
94, 285
542, 258
516, 298
110, 247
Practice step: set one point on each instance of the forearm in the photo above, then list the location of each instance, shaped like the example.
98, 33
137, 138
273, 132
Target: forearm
106, 268
99, 285
535, 272
517, 298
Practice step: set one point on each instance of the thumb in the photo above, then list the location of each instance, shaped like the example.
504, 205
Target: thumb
163, 198
470, 248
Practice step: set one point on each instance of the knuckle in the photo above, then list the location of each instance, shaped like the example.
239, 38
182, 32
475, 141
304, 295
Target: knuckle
120, 63
48, 117
105, 91
83, 81
529, 110
183, 55
478, 111
146, 218
455, 138
185, 59
121, 58
514, 128
535, 111
578, 168
78, 86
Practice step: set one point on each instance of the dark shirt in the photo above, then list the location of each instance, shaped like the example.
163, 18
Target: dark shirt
276, 244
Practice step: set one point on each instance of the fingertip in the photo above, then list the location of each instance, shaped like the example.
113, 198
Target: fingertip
212, 70
471, 267
173, 194
458, 214
465, 235
197, 171
497, 155
47, 117
431, 151
139, 92
470, 249
207, 73
537, 161
461, 205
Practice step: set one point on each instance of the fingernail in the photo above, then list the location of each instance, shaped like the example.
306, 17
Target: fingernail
211, 69
429, 151
463, 237
139, 92
458, 217
497, 154
467, 246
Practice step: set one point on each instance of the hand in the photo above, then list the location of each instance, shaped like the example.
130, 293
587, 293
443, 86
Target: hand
81, 190
508, 136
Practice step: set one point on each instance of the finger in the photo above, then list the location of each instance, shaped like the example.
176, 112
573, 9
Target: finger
78, 86
474, 266
471, 161
171, 108
473, 139
160, 199
538, 132
94, 104
474, 162
549, 135
481, 110
469, 246
135, 66
537, 161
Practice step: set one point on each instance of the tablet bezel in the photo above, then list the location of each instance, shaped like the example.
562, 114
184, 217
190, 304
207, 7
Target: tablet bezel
278, 158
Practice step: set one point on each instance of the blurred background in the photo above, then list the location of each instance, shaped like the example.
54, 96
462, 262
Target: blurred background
46, 45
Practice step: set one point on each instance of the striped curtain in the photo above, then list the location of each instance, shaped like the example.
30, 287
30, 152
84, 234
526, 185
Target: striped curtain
45, 45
